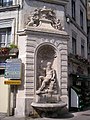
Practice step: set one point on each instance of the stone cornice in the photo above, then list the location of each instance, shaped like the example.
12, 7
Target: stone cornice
33, 31
46, 24
78, 59
9, 8
62, 2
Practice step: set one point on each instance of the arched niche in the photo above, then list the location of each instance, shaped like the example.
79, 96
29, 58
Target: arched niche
45, 53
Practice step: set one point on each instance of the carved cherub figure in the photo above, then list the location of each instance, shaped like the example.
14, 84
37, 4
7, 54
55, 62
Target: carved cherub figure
58, 24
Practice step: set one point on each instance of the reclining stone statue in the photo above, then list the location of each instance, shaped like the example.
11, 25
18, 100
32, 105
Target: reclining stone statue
49, 80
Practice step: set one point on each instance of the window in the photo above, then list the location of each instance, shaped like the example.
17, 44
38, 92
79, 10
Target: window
82, 48
73, 45
73, 10
6, 2
2, 71
5, 37
74, 42
81, 19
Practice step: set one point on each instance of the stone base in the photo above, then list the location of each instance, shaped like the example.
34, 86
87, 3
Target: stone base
28, 108
23, 107
20, 107
49, 109
47, 98
64, 98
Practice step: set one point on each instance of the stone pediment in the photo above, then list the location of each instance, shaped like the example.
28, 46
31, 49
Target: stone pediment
45, 18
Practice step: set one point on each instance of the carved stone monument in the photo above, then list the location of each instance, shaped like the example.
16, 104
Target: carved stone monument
45, 63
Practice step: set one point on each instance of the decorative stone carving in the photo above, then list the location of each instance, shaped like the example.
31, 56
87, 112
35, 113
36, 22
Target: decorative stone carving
47, 82
46, 14
34, 19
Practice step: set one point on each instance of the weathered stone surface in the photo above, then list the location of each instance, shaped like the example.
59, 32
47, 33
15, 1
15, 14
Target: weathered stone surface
20, 107
64, 63
30, 79
29, 92
64, 69
64, 57
64, 74
64, 80
28, 107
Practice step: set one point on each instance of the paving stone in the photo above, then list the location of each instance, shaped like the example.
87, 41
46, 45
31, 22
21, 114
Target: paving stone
84, 115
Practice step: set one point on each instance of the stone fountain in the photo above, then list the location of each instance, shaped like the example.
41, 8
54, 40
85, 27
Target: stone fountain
46, 64
47, 102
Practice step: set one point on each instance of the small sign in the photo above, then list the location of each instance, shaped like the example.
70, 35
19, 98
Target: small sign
13, 82
13, 69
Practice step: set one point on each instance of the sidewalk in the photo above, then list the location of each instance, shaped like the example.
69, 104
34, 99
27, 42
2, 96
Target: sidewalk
84, 115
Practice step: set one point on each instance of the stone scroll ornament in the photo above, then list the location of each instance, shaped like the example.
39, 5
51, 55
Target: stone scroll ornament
44, 13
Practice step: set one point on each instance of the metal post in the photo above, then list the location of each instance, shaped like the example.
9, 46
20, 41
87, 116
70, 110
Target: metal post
14, 98
9, 96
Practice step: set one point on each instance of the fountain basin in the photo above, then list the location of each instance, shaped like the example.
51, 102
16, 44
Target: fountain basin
48, 109
48, 106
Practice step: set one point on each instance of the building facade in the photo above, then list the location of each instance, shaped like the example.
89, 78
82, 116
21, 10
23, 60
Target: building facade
76, 26
14, 18
88, 26
9, 19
